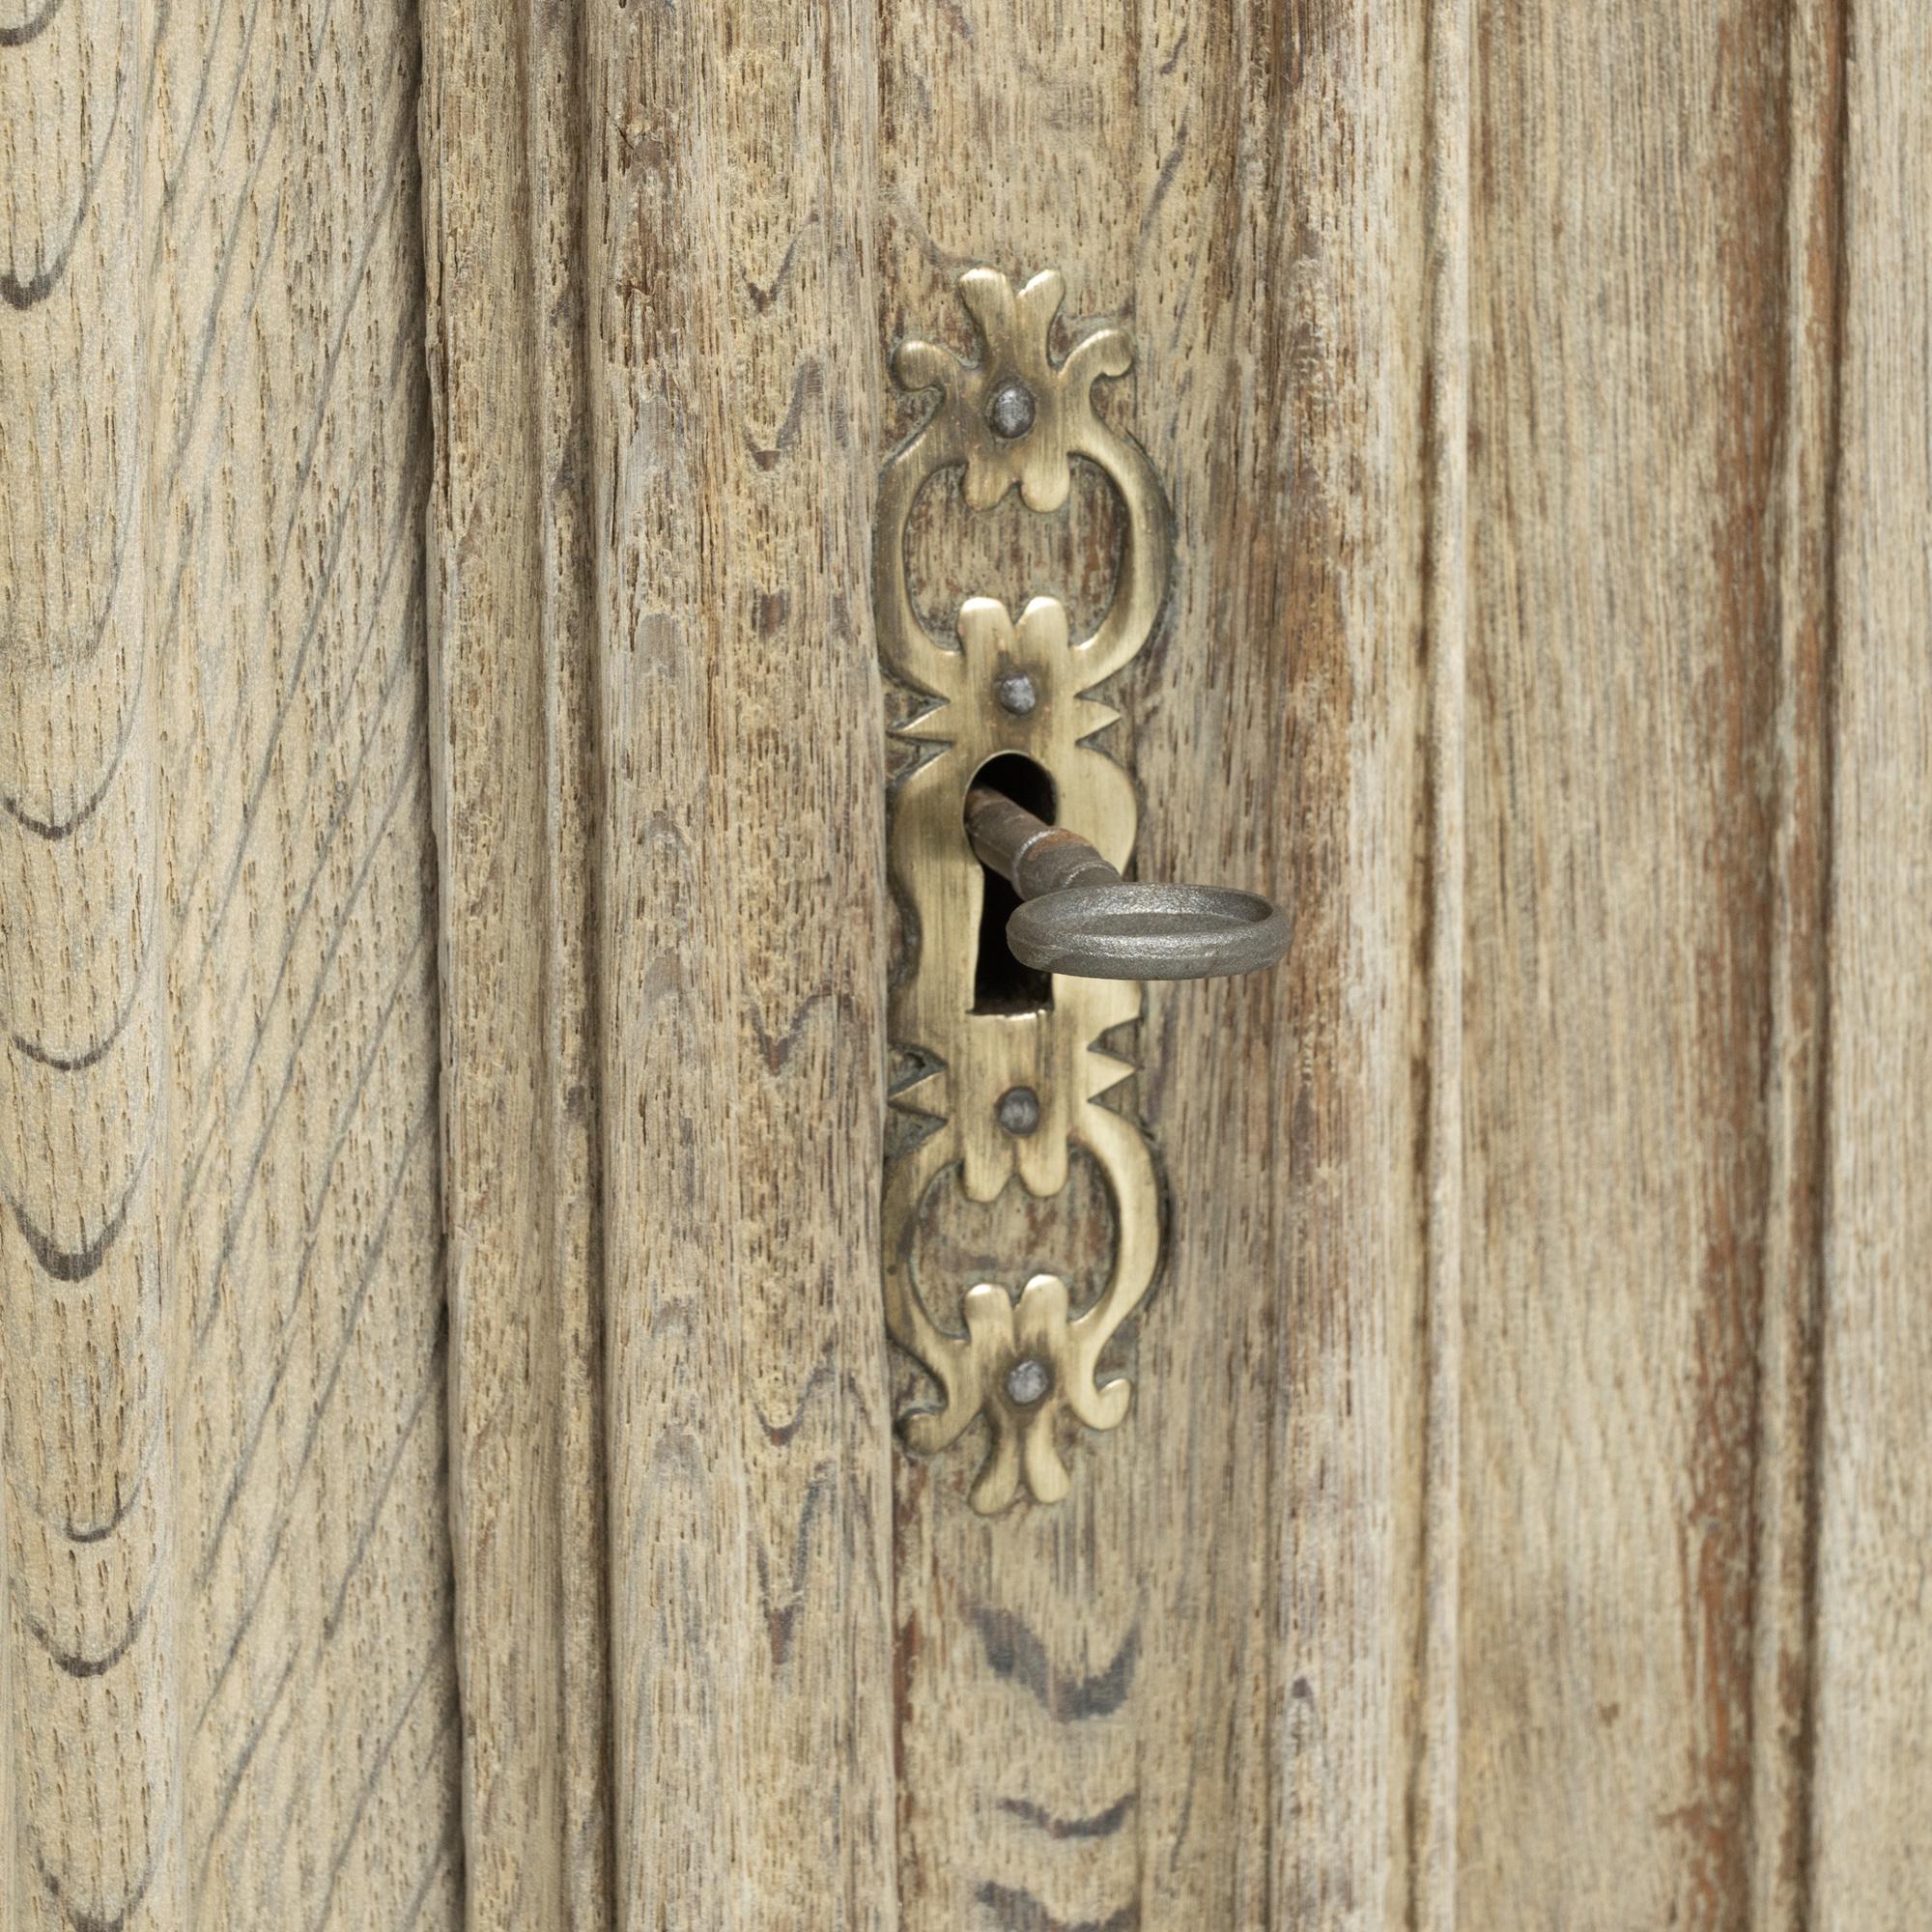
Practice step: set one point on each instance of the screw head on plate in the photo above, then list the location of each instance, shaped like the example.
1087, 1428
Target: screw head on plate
1016, 693
1028, 1381
1010, 412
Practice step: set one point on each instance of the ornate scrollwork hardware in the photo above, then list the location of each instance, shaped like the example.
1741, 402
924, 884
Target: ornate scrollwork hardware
1012, 1093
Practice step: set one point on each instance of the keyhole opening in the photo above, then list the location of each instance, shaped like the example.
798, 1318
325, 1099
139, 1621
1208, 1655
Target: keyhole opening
1002, 983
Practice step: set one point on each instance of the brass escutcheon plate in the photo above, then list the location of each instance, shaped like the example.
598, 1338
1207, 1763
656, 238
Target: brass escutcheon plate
1012, 419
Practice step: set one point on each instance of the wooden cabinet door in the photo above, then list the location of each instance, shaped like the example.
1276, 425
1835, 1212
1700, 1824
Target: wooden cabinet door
452, 1458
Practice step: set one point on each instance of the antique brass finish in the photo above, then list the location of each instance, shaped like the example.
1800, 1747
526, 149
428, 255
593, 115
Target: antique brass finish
1012, 1093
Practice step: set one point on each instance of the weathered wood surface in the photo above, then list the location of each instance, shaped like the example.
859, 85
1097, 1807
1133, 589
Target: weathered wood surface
1092, 1715
229, 1658
1631, 799
1871, 1817
1498, 386
733, 403
1522, 1515
1694, 1021
1183, 1696
516, 816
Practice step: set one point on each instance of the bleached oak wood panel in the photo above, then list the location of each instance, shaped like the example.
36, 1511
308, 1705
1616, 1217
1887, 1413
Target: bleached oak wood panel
94, 1625
231, 1684
734, 397
737, 319
445, 798
1654, 281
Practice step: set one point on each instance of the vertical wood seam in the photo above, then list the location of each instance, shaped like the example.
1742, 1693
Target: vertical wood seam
1871, 1659
1787, 1439
1431, 1795
570, 697
1805, 1903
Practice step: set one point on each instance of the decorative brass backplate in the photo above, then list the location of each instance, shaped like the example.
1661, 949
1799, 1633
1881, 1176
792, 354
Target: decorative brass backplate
1015, 417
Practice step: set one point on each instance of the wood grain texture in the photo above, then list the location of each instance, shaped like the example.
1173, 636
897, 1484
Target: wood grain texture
733, 402
442, 804
231, 1686
91, 1315
1629, 394
516, 816
1785, 1478
1432, 1817
1658, 753
1185, 1695
1872, 1809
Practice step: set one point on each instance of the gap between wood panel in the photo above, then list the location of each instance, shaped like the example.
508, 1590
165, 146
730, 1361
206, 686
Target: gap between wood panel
1871, 1679
1787, 1494
1433, 1821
